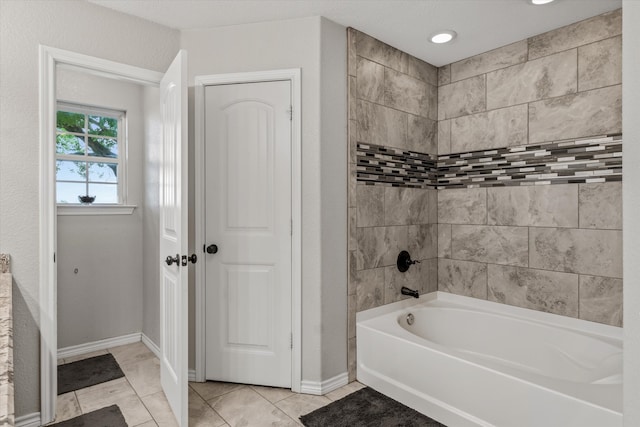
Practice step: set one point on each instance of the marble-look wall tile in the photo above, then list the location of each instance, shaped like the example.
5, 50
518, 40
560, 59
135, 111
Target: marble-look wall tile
601, 205
407, 94
588, 31
444, 137
601, 300
595, 112
352, 305
432, 197
495, 59
377, 51
600, 64
538, 206
444, 75
462, 98
415, 278
462, 206
353, 272
462, 278
370, 81
370, 210
583, 251
380, 246
423, 241
535, 289
352, 243
404, 206
422, 135
381, 125
547, 77
422, 70
353, 185
444, 240
351, 358
370, 289
353, 113
492, 244
351, 52
353, 141
504, 127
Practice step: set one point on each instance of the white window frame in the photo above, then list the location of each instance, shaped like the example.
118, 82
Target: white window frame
121, 138
121, 207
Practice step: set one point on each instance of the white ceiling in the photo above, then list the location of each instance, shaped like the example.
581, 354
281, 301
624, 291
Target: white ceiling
481, 25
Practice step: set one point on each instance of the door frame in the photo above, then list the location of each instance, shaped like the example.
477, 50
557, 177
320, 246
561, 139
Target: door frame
292, 75
49, 59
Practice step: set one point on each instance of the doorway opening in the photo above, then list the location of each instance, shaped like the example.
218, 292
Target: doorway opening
83, 144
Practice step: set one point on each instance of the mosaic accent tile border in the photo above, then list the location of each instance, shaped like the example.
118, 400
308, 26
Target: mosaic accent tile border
563, 162
391, 166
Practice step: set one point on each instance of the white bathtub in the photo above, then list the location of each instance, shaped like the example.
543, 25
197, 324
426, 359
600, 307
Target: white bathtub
468, 362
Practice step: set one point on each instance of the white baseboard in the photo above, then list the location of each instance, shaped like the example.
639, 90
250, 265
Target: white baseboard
29, 420
151, 345
326, 386
192, 375
77, 350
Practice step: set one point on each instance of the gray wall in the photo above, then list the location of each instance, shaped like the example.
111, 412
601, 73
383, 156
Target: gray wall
631, 128
23, 25
104, 299
318, 48
555, 248
151, 216
392, 103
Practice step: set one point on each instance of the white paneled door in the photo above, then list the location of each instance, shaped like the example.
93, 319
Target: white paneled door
248, 218
173, 238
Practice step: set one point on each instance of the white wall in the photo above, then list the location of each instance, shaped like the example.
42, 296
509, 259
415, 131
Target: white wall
301, 43
81, 27
104, 299
631, 208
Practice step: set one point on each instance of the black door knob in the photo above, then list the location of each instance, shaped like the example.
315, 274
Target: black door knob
170, 260
212, 249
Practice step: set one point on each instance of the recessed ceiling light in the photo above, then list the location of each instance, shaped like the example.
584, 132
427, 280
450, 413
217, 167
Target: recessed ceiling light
540, 2
444, 36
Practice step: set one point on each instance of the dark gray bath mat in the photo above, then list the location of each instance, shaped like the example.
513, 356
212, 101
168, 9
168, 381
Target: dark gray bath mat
105, 417
85, 373
367, 408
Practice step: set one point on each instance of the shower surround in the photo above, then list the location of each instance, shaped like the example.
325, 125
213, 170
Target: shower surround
554, 244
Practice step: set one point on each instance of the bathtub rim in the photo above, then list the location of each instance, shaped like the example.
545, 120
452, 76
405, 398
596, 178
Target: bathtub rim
600, 330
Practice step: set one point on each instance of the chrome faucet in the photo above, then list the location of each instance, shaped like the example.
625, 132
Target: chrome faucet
410, 292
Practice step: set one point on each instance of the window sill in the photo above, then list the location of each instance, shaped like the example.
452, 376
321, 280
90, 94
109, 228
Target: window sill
96, 209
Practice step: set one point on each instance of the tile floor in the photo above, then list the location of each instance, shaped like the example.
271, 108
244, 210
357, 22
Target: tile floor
212, 404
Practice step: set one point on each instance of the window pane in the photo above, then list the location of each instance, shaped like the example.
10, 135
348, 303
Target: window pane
106, 126
103, 172
105, 193
70, 144
71, 171
103, 147
70, 122
68, 192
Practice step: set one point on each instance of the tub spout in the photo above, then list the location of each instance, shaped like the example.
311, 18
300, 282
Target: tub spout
410, 292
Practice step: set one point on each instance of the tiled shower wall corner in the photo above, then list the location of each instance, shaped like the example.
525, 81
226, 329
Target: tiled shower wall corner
392, 103
554, 248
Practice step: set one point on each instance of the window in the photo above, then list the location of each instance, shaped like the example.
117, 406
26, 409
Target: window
90, 147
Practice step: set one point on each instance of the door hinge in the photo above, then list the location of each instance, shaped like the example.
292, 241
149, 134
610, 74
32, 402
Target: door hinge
291, 340
290, 111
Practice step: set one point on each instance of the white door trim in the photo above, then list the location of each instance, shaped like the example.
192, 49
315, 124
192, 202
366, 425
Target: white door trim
292, 75
49, 59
